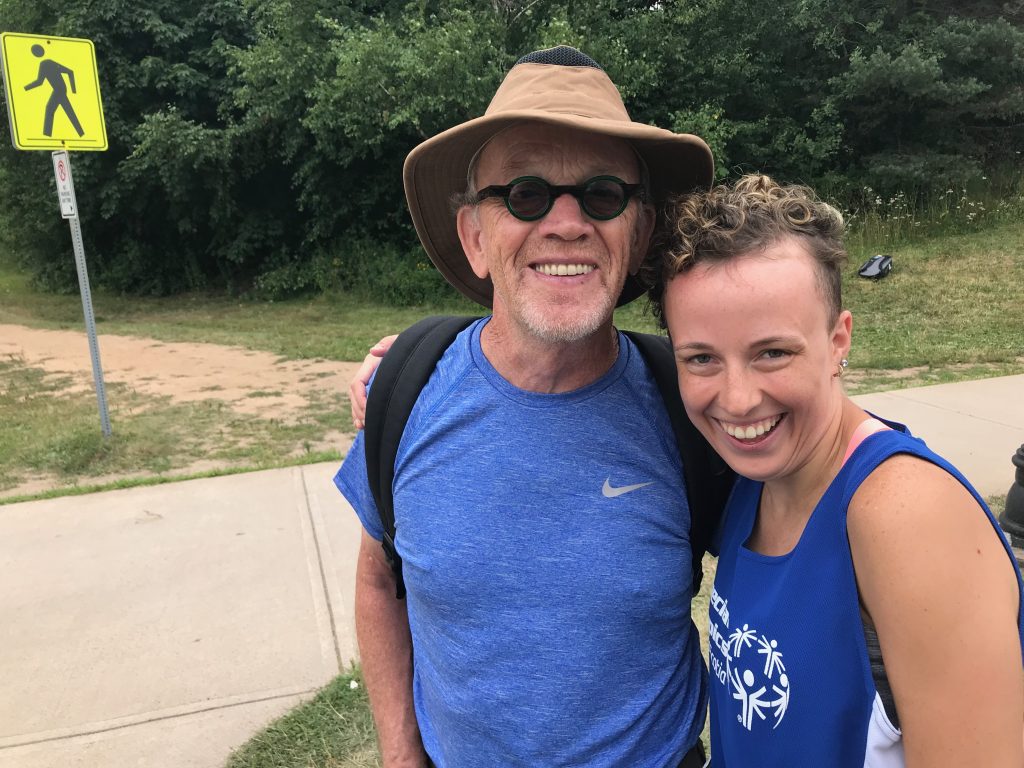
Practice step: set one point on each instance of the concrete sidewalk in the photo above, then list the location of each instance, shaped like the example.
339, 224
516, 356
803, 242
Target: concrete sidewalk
977, 425
164, 626
161, 627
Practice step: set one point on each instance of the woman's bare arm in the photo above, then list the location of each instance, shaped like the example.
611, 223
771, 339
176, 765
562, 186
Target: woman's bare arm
942, 593
357, 387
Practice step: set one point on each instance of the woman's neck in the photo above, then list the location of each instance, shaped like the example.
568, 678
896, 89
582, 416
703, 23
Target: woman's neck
788, 502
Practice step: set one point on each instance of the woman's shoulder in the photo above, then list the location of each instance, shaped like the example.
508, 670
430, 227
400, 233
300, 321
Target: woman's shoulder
916, 530
907, 498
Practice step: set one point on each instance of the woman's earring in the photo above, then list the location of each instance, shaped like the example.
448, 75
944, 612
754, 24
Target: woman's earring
841, 368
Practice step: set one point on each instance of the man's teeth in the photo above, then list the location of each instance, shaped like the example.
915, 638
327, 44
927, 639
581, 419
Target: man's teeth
751, 431
564, 269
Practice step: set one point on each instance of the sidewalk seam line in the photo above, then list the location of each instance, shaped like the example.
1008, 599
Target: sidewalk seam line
967, 415
323, 574
112, 728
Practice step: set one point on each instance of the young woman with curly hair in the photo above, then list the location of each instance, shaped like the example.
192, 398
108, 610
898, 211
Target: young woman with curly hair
866, 609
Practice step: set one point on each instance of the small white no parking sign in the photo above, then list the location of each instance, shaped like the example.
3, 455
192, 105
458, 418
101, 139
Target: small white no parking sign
65, 186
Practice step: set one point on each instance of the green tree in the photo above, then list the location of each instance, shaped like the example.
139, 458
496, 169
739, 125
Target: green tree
930, 104
151, 204
261, 142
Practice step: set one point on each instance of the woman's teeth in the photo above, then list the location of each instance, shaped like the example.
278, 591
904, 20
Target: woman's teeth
751, 431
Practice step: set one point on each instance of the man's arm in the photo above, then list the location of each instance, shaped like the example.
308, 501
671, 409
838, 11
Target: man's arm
385, 647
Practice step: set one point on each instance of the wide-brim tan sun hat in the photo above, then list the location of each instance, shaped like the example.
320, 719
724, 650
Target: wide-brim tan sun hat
558, 86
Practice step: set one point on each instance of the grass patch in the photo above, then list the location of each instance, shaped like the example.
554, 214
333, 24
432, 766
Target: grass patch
997, 504
147, 480
951, 307
953, 298
334, 730
331, 326
51, 434
948, 300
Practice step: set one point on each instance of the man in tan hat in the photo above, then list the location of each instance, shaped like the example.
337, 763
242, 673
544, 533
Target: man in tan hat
538, 495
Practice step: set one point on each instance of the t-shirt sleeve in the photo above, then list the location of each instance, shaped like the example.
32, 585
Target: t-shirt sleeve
351, 481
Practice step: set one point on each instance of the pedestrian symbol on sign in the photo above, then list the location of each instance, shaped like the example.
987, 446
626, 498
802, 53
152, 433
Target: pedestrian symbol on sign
53, 73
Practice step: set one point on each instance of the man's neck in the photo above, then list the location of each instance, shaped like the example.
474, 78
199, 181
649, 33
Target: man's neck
536, 365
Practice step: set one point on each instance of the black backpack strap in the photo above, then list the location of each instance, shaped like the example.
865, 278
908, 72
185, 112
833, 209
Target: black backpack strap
708, 478
402, 374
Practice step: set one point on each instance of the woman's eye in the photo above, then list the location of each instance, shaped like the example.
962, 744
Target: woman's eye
699, 359
775, 354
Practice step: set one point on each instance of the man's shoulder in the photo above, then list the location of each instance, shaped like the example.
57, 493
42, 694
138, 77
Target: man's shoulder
451, 375
642, 373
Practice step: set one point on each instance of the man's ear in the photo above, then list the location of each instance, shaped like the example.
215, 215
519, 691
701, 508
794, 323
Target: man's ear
641, 237
471, 235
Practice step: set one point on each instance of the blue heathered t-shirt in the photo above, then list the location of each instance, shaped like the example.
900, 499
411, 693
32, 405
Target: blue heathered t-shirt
545, 541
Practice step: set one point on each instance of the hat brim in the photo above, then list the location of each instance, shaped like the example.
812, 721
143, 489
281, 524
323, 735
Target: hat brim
436, 170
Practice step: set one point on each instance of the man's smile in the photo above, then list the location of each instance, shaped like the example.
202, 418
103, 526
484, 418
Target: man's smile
560, 270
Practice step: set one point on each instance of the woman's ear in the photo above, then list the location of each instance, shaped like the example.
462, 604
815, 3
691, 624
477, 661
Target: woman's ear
842, 336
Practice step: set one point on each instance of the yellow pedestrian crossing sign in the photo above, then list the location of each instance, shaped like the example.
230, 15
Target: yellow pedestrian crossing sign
53, 92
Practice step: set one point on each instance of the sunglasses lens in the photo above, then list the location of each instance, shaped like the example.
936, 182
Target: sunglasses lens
604, 199
529, 199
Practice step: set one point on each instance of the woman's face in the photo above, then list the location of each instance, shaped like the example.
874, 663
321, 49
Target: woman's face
756, 356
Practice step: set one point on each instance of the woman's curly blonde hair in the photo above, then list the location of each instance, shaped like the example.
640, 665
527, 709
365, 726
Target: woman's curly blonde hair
749, 216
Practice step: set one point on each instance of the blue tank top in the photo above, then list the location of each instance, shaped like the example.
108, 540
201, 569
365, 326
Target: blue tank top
791, 683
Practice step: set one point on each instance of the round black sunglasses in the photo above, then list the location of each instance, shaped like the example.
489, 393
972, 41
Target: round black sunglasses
529, 198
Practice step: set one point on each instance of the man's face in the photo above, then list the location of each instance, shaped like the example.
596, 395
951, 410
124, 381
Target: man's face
524, 258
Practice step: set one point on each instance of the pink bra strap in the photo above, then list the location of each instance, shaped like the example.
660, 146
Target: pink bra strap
865, 428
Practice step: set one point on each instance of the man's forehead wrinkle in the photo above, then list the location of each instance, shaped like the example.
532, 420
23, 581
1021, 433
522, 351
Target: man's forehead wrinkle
527, 156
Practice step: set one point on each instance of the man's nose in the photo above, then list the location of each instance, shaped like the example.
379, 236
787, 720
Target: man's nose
566, 218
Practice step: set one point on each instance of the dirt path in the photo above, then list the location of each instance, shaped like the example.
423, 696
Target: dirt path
183, 371
250, 383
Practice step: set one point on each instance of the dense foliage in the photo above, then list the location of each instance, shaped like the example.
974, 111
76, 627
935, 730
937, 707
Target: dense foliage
259, 143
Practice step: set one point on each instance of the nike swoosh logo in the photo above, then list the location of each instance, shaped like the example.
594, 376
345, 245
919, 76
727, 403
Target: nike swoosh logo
609, 492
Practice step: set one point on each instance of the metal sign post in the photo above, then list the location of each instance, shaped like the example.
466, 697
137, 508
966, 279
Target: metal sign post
53, 102
69, 210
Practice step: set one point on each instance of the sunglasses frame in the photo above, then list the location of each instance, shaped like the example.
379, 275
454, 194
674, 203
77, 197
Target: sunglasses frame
504, 191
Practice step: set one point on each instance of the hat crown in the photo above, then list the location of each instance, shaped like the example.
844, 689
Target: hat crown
559, 80
560, 55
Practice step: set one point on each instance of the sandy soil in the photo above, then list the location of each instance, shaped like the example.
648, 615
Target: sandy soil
183, 371
249, 382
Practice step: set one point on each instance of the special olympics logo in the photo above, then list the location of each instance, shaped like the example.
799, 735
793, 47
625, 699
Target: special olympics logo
758, 679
